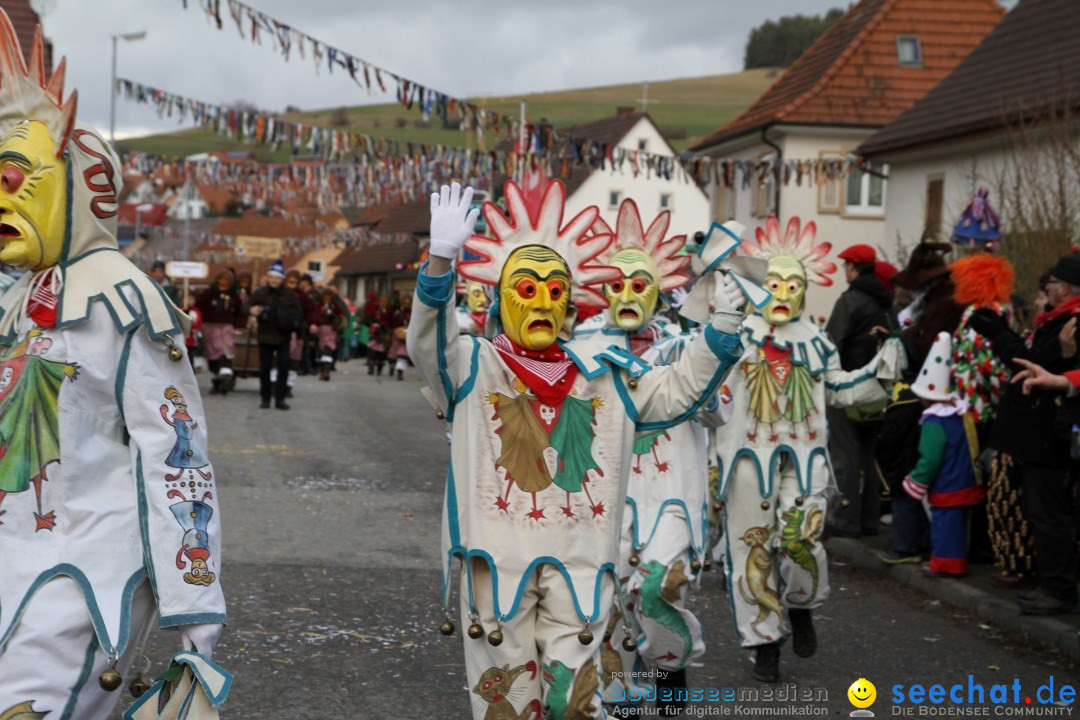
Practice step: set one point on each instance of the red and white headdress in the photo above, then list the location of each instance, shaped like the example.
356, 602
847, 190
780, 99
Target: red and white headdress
797, 242
630, 232
24, 93
543, 226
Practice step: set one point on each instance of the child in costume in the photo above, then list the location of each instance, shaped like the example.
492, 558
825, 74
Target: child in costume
542, 445
945, 473
221, 313
108, 501
664, 527
773, 456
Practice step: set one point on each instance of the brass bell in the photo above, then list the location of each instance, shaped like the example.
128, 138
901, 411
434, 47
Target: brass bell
447, 628
695, 565
110, 679
476, 631
495, 638
632, 384
629, 644
634, 560
799, 501
764, 504
139, 686
585, 637
441, 415
176, 354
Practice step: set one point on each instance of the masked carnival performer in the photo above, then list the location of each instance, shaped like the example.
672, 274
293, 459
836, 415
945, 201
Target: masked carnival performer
774, 464
542, 445
663, 529
107, 500
473, 313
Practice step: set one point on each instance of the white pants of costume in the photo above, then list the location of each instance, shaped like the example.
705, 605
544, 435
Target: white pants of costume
539, 651
668, 635
52, 660
766, 575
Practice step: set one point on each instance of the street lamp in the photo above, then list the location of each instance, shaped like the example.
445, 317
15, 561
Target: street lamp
112, 89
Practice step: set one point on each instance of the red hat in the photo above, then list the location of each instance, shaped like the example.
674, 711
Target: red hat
859, 254
885, 272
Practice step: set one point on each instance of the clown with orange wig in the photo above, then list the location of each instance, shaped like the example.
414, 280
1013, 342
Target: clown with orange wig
543, 443
775, 475
108, 509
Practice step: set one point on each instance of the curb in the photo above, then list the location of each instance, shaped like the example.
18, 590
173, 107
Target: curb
1048, 631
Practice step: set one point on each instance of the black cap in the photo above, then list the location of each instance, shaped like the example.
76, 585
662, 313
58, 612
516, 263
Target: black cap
1067, 269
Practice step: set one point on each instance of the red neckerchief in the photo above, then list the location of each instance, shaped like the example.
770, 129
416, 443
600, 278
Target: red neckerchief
480, 318
42, 305
642, 340
1069, 307
549, 373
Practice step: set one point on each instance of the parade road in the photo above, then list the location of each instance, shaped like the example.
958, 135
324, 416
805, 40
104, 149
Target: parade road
331, 545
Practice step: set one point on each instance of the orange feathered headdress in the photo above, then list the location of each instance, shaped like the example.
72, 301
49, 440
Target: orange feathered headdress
982, 279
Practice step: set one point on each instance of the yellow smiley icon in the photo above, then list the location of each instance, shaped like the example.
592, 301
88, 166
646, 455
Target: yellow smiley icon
862, 693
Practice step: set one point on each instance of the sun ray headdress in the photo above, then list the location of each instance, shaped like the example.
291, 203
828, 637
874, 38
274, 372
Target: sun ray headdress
630, 232
24, 92
581, 251
798, 242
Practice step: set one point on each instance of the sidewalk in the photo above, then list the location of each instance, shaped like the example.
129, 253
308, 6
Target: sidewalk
973, 593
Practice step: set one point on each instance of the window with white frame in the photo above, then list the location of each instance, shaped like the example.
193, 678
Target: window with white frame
830, 188
614, 198
764, 197
865, 190
665, 201
909, 50
314, 266
643, 144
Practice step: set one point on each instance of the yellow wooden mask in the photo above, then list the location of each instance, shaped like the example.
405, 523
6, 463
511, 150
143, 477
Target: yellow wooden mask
476, 298
786, 280
33, 198
633, 297
534, 294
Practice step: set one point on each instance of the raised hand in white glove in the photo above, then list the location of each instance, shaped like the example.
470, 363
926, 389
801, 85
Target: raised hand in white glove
728, 302
678, 297
201, 638
451, 220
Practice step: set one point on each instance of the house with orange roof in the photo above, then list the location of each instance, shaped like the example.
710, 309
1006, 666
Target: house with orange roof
870, 66
966, 132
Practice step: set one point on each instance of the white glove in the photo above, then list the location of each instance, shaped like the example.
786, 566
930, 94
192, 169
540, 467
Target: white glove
451, 220
728, 302
678, 297
201, 638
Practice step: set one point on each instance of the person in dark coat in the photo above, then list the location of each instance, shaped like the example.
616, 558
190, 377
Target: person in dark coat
219, 306
1033, 431
934, 309
279, 314
853, 433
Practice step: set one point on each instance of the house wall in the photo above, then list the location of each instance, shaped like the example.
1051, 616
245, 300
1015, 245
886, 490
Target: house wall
840, 228
689, 204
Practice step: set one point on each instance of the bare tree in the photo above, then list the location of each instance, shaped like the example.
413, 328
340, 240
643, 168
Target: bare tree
1039, 186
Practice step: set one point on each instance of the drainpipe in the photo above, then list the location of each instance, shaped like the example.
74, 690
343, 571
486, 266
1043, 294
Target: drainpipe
779, 161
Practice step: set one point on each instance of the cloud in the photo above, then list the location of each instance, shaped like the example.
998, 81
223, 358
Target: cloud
468, 47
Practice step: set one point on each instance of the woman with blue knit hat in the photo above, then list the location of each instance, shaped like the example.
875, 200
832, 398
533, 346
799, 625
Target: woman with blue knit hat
278, 312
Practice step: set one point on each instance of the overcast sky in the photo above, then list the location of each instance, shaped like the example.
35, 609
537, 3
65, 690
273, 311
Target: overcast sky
461, 47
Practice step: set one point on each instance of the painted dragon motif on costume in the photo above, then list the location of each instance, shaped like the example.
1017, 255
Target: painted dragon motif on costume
797, 539
571, 692
758, 568
660, 588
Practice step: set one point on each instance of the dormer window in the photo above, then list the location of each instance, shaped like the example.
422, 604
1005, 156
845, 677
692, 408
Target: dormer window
909, 50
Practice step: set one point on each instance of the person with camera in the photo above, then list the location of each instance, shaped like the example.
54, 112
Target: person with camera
278, 313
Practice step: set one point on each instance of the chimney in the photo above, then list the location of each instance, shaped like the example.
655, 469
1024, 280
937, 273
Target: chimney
625, 110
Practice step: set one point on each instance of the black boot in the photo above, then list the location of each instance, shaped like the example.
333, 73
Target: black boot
215, 386
370, 368
378, 369
767, 663
803, 637
400, 374
674, 681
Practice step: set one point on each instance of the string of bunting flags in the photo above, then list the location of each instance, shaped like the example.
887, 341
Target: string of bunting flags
384, 169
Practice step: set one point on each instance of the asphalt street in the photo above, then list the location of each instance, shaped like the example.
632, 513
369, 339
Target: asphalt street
331, 518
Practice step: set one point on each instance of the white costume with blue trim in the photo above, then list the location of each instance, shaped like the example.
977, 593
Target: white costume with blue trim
541, 566
108, 506
775, 475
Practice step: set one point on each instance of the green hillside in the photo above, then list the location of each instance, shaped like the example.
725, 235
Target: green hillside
685, 109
